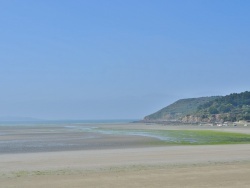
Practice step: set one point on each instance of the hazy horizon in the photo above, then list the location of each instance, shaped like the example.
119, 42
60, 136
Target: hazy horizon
119, 59
34, 119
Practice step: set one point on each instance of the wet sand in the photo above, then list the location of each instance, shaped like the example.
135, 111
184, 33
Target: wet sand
29, 139
129, 166
49, 138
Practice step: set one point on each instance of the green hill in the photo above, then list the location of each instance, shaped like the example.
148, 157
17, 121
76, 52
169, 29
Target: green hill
233, 107
179, 109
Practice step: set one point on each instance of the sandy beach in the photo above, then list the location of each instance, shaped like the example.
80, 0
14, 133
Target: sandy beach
124, 94
123, 165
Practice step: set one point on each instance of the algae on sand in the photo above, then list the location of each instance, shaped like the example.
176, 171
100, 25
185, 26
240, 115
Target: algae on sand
185, 137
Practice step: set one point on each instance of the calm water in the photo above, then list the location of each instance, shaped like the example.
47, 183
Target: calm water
63, 122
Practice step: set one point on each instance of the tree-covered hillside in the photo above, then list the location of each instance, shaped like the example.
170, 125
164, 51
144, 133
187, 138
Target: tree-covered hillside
233, 107
179, 109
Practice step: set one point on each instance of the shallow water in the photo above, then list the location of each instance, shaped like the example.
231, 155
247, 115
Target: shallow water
62, 137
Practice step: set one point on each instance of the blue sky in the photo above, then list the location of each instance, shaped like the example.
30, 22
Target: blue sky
117, 59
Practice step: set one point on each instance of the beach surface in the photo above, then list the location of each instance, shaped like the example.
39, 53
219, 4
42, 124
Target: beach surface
119, 160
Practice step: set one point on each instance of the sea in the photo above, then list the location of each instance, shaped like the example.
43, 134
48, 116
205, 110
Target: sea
64, 122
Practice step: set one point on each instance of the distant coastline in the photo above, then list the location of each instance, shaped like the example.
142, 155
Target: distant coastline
33, 121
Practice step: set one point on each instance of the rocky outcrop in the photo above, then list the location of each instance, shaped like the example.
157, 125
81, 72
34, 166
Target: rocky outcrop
196, 119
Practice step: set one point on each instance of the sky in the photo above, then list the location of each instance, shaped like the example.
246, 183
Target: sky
116, 59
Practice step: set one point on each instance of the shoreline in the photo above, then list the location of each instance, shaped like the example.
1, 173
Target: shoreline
128, 161
97, 136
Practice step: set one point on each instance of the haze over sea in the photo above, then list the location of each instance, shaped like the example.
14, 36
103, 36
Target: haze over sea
62, 122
